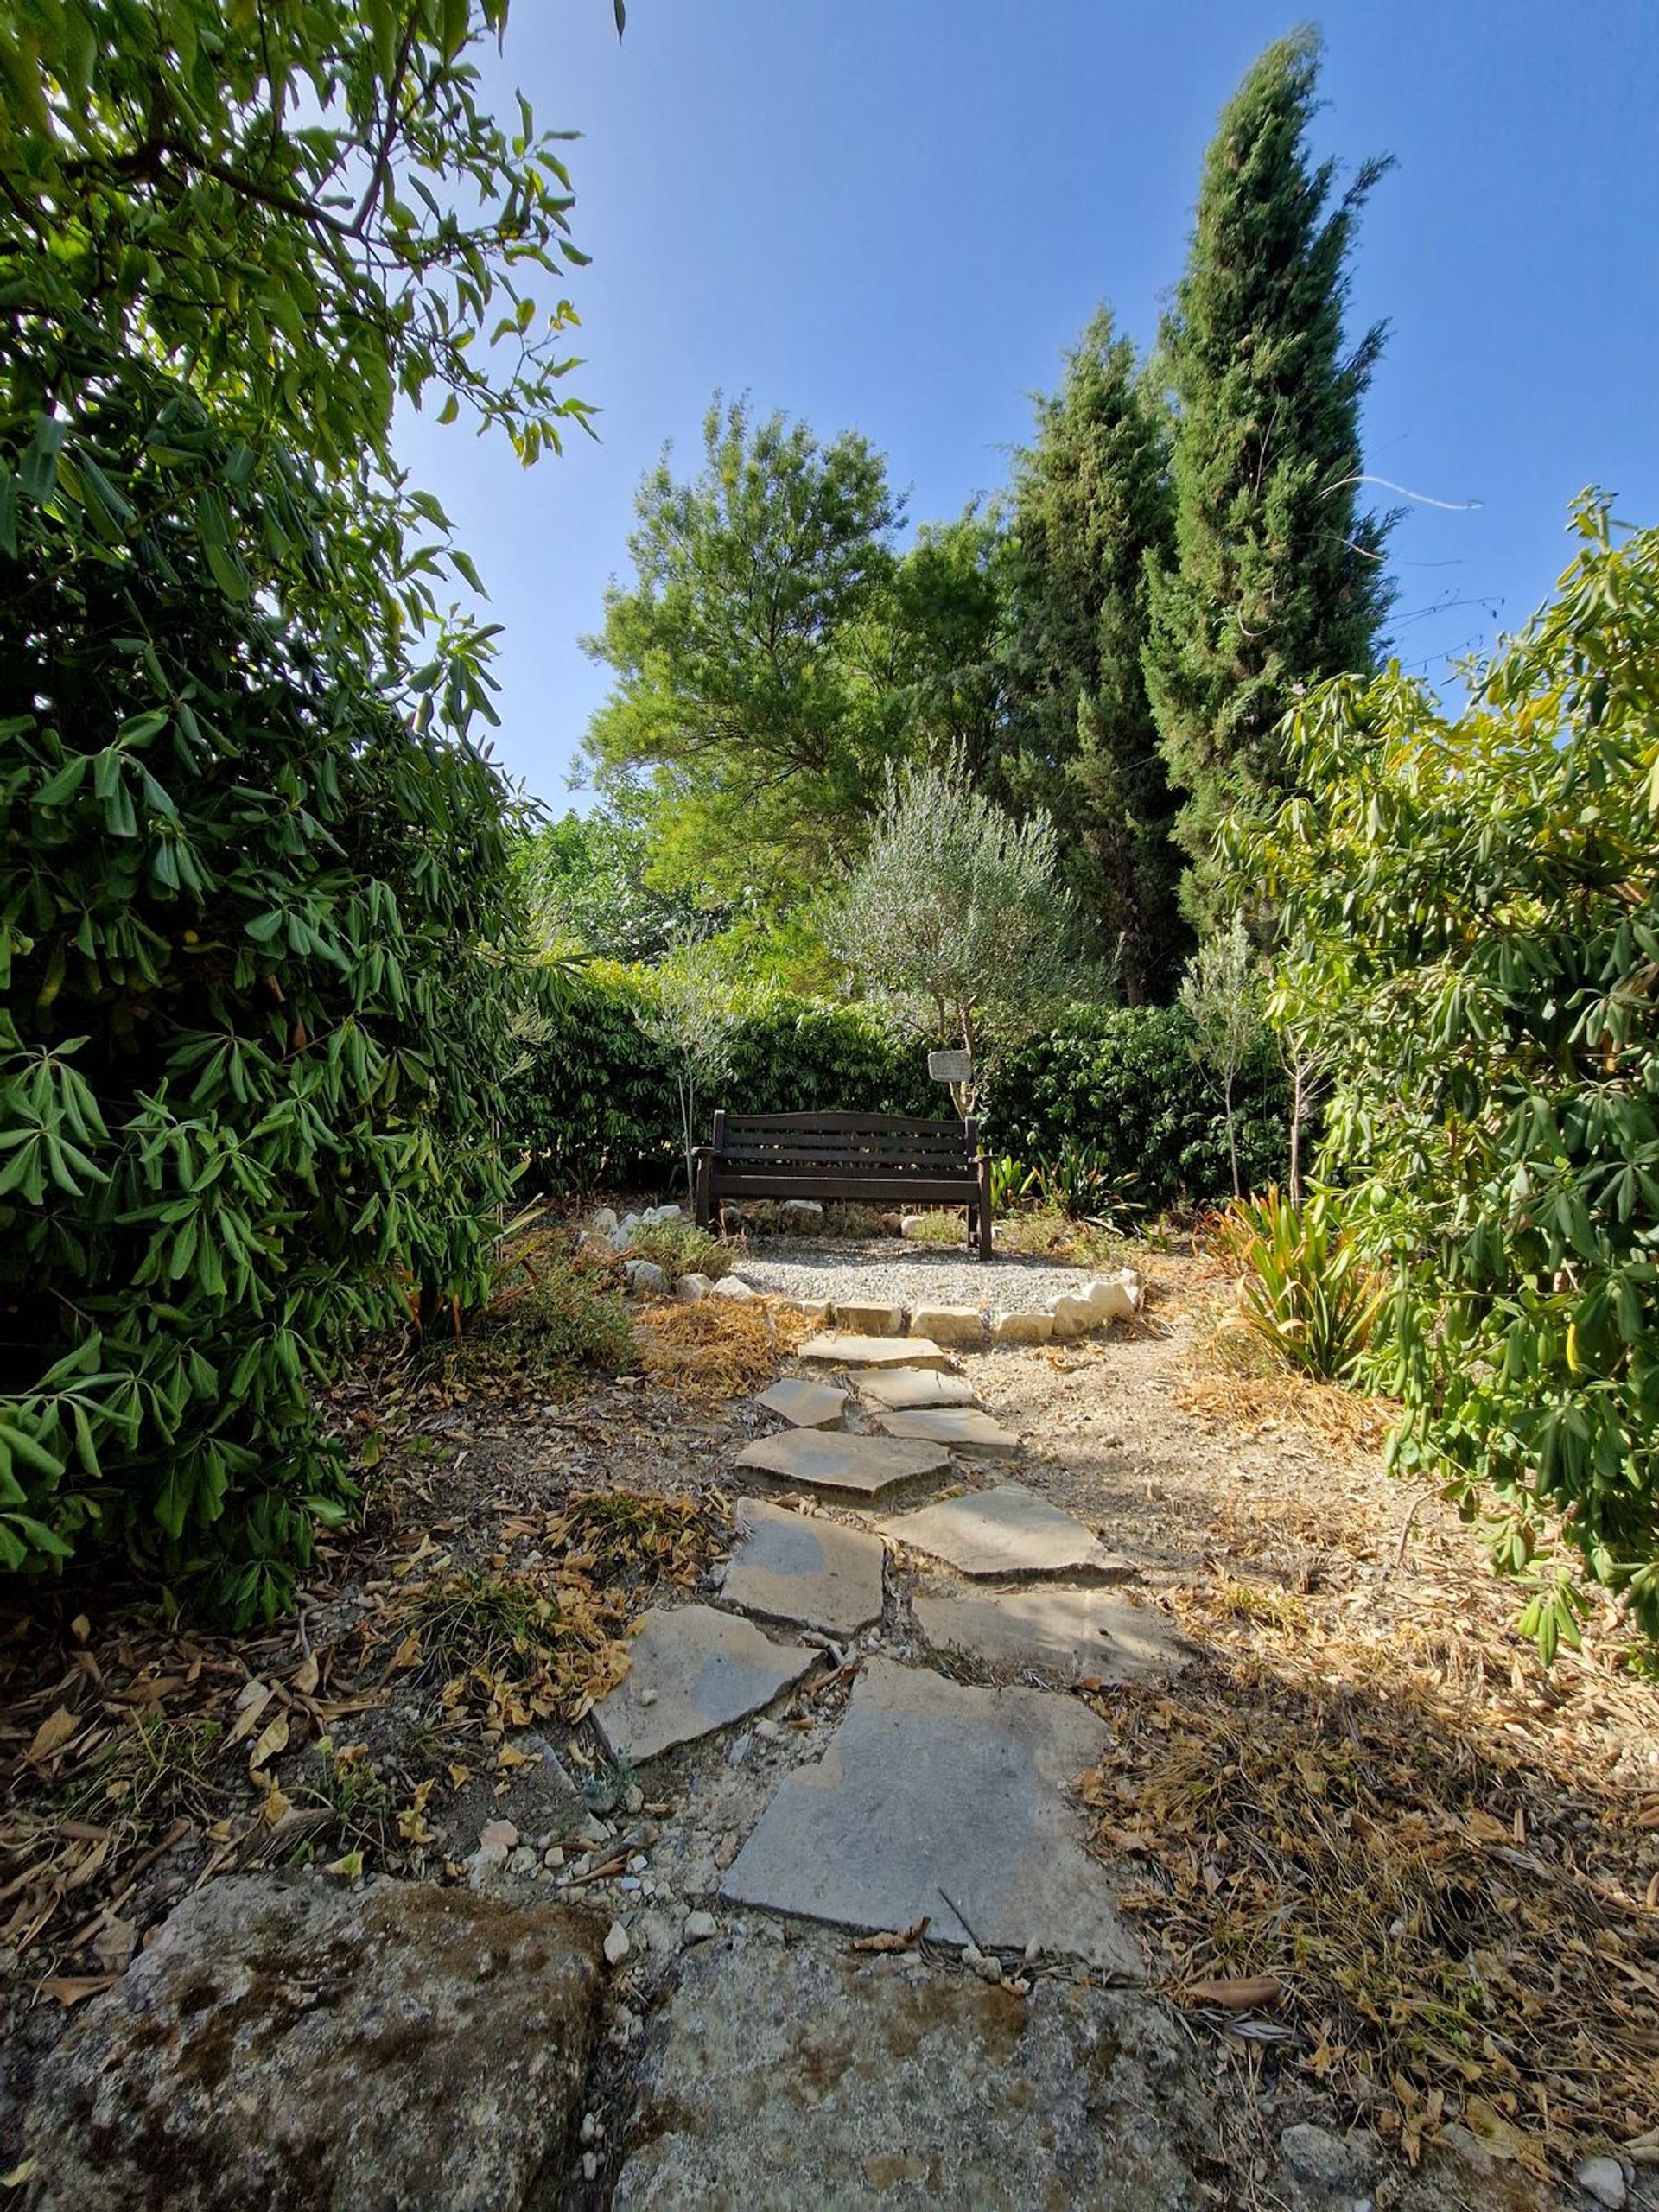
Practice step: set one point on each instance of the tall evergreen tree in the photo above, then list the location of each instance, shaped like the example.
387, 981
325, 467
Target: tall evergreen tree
1277, 577
1091, 509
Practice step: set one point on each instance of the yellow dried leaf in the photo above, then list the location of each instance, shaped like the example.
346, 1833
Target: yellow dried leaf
407, 1652
277, 1807
305, 1678
51, 1735
273, 1738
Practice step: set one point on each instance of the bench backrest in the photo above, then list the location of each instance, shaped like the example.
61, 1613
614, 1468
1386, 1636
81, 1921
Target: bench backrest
871, 1143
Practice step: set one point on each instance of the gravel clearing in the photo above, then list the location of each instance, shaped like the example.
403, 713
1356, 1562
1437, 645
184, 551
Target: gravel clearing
871, 1273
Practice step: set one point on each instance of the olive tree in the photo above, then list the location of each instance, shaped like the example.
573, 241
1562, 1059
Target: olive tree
956, 916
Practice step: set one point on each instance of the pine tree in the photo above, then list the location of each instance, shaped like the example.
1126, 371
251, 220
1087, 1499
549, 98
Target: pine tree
1091, 504
1277, 577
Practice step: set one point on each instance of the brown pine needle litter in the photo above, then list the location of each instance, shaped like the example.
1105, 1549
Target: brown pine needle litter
1463, 1918
720, 1347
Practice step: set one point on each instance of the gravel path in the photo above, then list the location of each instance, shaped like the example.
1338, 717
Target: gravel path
871, 1272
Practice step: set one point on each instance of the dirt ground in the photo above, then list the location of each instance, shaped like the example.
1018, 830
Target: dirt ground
1439, 1863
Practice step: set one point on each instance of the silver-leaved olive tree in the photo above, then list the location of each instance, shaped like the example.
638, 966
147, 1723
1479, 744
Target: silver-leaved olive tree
1475, 905
257, 936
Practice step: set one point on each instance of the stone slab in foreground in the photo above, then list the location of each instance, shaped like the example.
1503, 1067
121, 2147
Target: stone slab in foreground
789, 1566
931, 1790
863, 1466
692, 1671
287, 2044
1007, 1530
786, 2079
1072, 1632
837, 1349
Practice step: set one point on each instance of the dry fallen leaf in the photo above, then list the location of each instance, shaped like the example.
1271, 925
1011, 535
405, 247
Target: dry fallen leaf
70, 1988
1236, 1994
273, 1738
892, 1939
304, 1679
51, 1735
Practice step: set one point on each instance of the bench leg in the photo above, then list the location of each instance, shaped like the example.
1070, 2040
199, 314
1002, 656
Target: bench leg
700, 1200
982, 1211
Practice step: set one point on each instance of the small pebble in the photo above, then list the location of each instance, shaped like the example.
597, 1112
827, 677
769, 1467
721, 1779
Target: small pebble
1603, 2180
633, 1797
589, 2166
617, 1945
647, 1697
589, 2127
638, 1863
699, 1927
768, 1730
630, 1883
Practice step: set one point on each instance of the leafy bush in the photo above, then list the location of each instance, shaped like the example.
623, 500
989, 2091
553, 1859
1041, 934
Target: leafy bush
571, 1317
1304, 1290
1478, 900
597, 1104
254, 1021
1124, 1081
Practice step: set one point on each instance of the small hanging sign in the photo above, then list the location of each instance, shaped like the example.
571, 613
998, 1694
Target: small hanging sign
955, 1066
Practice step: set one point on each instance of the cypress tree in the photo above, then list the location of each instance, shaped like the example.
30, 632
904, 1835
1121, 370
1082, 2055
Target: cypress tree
1091, 505
1277, 577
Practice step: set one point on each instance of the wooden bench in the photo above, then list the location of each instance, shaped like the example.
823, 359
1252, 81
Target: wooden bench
866, 1160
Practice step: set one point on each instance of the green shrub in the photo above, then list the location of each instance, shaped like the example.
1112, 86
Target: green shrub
1124, 1081
1304, 1290
1476, 904
253, 1030
571, 1317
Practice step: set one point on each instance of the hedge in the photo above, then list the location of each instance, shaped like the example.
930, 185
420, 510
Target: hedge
596, 1103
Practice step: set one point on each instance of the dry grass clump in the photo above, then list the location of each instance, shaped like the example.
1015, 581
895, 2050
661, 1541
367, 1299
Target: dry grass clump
1461, 1908
1233, 1378
718, 1347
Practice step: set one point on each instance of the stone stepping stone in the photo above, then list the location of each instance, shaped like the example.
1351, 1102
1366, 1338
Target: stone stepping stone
1008, 1530
835, 1350
963, 1428
806, 1404
901, 1388
1075, 1632
931, 1791
865, 1465
694, 1671
815, 1572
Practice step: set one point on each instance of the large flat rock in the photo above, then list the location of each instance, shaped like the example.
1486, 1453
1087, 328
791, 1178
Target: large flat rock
693, 1670
901, 1388
1072, 1632
1008, 1530
837, 1349
301, 2048
959, 1429
933, 1791
863, 1466
783, 2078
790, 1568
804, 1404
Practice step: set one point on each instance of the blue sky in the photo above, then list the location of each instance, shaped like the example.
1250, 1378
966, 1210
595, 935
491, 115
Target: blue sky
894, 215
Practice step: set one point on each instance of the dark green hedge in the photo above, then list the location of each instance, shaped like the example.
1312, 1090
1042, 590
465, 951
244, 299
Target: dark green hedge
596, 1105
1123, 1079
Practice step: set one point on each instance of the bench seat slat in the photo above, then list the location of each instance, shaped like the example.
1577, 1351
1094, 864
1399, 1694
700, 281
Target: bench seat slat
954, 1189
